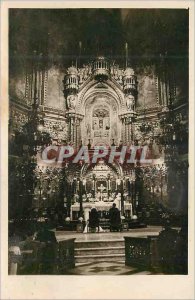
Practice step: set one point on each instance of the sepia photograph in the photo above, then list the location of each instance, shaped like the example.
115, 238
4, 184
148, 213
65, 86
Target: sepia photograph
98, 142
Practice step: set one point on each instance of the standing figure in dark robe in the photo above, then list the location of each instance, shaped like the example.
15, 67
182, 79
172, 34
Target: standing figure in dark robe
94, 219
115, 220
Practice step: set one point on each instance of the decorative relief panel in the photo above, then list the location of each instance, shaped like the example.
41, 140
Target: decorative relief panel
84, 73
56, 129
18, 119
115, 72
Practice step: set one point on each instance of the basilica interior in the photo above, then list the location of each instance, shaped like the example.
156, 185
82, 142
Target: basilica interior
109, 83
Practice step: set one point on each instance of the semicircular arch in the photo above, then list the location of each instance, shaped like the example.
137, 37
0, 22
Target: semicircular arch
91, 90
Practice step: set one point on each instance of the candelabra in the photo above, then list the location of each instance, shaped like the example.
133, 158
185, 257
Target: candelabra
27, 143
131, 189
42, 187
81, 192
155, 180
174, 136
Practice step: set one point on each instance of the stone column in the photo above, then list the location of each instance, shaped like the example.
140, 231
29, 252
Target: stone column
77, 125
123, 129
126, 133
129, 132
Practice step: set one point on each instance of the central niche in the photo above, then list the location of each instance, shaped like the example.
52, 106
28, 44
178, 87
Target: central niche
101, 122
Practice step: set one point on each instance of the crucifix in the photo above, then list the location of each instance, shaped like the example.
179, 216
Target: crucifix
101, 188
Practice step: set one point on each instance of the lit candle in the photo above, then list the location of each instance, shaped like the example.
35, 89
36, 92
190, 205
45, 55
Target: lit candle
84, 183
124, 183
108, 184
78, 185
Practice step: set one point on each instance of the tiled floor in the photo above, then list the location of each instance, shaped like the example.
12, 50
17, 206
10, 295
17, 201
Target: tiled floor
106, 268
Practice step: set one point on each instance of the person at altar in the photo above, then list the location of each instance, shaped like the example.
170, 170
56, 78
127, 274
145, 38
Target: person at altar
93, 222
115, 220
93, 218
117, 200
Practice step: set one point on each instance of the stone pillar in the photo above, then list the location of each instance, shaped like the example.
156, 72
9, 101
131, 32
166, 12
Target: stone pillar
75, 135
128, 132
69, 128
74, 131
76, 138
131, 130
123, 130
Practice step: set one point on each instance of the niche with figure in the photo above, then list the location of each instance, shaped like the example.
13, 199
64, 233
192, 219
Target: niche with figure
101, 122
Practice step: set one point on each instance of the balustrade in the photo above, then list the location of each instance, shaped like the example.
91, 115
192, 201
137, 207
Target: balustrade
141, 252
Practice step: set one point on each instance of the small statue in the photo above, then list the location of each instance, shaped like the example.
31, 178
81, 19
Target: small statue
71, 101
130, 101
113, 143
89, 145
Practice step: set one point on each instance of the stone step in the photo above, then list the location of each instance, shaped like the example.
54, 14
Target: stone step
99, 244
99, 258
99, 250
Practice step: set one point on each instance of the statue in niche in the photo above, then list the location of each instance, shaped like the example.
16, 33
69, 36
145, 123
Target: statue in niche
88, 129
112, 70
71, 101
80, 74
101, 120
95, 124
116, 72
107, 124
114, 130
130, 101
101, 123
86, 72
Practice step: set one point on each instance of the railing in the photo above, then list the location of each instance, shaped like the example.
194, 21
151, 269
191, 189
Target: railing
141, 252
71, 225
36, 258
66, 258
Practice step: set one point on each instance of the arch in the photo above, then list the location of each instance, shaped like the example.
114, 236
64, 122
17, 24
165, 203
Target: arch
115, 167
108, 88
96, 94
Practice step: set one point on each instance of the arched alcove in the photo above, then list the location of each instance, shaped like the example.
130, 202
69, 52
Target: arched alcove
101, 121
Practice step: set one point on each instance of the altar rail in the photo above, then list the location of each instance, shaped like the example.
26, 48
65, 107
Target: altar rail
35, 258
66, 259
142, 252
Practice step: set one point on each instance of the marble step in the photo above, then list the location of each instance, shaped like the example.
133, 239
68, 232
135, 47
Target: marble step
99, 258
99, 250
99, 244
